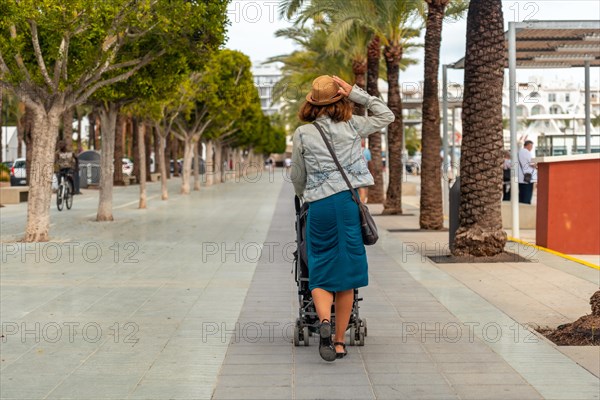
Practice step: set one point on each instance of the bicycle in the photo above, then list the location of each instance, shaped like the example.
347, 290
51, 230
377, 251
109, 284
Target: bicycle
64, 195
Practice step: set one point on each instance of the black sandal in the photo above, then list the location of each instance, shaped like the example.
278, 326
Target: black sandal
340, 355
326, 349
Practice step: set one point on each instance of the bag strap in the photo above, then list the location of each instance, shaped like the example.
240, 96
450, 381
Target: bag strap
337, 163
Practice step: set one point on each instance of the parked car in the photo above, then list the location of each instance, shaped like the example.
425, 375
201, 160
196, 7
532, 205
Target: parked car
127, 166
18, 173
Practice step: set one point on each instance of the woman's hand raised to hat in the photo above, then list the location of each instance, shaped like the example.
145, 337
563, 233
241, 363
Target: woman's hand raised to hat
345, 87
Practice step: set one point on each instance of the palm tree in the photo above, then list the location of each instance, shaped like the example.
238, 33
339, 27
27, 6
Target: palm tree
302, 66
480, 231
390, 23
431, 214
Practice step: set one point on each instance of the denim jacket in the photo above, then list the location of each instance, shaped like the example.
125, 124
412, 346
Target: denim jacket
314, 173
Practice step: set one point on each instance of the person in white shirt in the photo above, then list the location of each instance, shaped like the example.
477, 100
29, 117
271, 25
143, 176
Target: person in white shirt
526, 167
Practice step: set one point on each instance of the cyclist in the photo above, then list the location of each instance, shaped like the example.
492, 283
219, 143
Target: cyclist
65, 161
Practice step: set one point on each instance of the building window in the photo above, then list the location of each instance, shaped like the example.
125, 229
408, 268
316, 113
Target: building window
551, 96
567, 98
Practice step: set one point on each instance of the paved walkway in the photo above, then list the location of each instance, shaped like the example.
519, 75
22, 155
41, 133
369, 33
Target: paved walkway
201, 312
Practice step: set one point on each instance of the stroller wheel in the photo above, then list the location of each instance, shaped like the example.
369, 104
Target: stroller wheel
352, 332
364, 326
296, 335
306, 336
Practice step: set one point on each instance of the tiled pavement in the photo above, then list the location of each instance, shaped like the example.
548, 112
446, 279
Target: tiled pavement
429, 338
209, 319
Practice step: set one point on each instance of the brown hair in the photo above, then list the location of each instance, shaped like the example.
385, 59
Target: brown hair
339, 111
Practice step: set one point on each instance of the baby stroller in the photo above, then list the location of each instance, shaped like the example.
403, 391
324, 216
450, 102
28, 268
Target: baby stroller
307, 322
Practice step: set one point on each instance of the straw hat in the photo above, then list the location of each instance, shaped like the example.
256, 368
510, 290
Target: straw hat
324, 91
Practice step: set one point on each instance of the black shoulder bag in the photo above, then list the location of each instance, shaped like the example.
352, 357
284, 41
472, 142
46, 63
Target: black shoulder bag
367, 224
526, 175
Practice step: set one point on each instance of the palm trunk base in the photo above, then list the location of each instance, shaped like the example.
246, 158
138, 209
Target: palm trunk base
392, 211
431, 226
104, 218
478, 242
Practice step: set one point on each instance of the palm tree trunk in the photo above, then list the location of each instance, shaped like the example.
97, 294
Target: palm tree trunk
359, 69
393, 199
431, 210
376, 164
480, 231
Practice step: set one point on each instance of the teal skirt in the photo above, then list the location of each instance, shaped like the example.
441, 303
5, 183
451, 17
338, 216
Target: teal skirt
337, 259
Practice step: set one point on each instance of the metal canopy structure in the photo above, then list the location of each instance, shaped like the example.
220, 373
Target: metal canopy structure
554, 44
540, 44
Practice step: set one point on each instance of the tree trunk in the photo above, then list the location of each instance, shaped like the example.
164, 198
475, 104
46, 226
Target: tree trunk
98, 132
92, 132
162, 165
79, 127
148, 154
166, 153
480, 231
44, 135
135, 150
108, 117
28, 122
21, 124
156, 145
119, 146
196, 166
68, 128
174, 155
218, 162
431, 214
139, 130
393, 199
376, 167
129, 138
188, 153
359, 69
209, 163
1, 121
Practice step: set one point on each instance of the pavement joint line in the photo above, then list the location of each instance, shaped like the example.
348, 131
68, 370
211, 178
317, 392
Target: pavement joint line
556, 253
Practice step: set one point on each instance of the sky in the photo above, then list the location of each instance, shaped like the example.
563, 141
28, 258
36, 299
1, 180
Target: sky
253, 24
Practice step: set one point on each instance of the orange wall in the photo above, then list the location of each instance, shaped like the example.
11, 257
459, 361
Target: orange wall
568, 206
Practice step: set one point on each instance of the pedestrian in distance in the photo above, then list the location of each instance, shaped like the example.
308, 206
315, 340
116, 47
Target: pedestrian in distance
527, 173
506, 175
337, 260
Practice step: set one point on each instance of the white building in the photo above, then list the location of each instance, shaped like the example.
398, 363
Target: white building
10, 143
551, 114
265, 78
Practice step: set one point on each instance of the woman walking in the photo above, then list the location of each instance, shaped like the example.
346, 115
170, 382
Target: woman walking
337, 261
